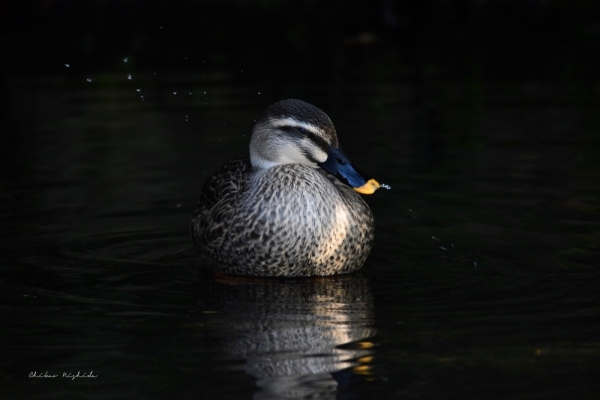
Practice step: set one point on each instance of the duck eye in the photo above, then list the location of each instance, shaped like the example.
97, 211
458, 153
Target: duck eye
303, 132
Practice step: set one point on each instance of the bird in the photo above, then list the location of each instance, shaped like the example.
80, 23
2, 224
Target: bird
293, 208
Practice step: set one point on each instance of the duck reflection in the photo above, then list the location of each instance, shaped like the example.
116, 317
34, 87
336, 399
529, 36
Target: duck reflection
297, 338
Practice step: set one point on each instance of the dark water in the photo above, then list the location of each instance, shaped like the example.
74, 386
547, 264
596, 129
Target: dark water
484, 281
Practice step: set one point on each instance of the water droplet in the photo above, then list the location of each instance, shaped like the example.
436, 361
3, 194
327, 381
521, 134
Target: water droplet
434, 238
155, 73
142, 97
175, 93
242, 71
185, 58
258, 92
67, 65
474, 264
125, 59
204, 92
385, 186
443, 248
89, 79
178, 205
139, 89
161, 27
190, 92
129, 76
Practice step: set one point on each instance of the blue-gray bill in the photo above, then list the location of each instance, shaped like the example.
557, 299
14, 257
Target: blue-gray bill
339, 165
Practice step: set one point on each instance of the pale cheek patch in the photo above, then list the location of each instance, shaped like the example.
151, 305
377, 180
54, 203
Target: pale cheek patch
319, 154
293, 155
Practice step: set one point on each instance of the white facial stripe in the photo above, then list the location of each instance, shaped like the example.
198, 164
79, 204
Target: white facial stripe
296, 124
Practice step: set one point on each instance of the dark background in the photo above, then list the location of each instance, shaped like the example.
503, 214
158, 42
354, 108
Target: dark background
308, 41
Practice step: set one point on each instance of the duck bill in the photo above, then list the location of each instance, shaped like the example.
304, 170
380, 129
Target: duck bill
339, 165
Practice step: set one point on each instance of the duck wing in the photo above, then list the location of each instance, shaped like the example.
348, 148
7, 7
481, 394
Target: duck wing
218, 198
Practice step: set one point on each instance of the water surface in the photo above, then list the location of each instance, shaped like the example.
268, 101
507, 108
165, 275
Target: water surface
483, 281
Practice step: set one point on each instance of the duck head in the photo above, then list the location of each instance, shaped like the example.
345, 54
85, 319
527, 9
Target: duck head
295, 132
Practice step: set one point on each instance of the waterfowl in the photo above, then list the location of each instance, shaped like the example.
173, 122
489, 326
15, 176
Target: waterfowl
292, 209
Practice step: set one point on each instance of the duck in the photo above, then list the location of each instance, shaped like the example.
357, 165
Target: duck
291, 209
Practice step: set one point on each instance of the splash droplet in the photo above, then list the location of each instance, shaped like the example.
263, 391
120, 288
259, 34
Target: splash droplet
67, 65
385, 186
139, 89
89, 79
129, 76
125, 59
175, 93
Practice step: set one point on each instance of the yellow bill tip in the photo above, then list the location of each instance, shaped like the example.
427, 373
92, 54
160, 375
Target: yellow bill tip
368, 188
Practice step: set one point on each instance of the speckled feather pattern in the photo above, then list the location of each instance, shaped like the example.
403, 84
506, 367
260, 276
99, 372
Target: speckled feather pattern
287, 220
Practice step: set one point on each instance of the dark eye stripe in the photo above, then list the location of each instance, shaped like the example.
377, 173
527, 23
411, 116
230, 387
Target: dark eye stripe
319, 141
303, 132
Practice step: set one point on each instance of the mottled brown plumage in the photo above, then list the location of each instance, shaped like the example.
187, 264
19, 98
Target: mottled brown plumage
271, 217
